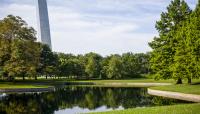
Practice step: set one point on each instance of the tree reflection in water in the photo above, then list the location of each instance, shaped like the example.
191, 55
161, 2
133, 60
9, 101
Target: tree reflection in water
90, 98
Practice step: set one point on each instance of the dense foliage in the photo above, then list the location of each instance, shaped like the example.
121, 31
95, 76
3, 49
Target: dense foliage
94, 66
176, 50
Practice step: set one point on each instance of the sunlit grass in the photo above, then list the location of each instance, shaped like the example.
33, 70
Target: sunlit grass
11, 85
175, 109
184, 88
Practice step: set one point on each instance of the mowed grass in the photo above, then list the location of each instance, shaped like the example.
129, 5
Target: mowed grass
174, 109
183, 88
11, 85
28, 83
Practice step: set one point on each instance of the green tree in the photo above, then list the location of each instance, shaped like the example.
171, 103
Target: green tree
70, 65
24, 59
48, 62
115, 68
186, 60
93, 67
135, 64
130, 65
12, 27
104, 66
180, 66
193, 39
164, 45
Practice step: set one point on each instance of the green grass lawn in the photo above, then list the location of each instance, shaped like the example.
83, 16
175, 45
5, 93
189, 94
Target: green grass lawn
17, 85
184, 88
30, 83
175, 109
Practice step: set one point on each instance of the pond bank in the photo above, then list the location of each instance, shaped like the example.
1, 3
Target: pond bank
27, 90
175, 95
137, 84
118, 84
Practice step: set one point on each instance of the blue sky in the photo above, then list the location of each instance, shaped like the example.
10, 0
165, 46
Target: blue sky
101, 26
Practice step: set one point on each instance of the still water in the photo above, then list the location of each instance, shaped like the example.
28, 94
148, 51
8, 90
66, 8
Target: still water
74, 100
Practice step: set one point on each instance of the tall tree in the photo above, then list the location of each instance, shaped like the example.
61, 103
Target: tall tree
48, 61
12, 27
189, 43
164, 45
186, 59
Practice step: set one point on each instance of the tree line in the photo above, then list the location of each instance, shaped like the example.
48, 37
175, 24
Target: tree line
21, 56
92, 65
176, 51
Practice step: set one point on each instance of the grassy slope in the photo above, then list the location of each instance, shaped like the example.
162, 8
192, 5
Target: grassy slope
176, 109
190, 89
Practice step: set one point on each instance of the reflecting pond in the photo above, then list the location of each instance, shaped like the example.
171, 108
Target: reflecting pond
74, 99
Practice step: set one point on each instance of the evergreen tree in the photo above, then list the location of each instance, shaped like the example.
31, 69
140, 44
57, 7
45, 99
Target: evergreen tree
164, 45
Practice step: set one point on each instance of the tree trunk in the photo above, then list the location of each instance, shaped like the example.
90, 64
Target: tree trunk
46, 76
35, 77
179, 81
23, 77
189, 80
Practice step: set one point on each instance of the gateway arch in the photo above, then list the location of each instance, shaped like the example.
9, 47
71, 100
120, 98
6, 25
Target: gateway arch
44, 35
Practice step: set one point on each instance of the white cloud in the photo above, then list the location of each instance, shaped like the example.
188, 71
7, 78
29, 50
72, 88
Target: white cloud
27, 12
102, 26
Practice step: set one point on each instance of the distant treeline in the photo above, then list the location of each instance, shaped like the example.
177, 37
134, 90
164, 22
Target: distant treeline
21, 56
93, 65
